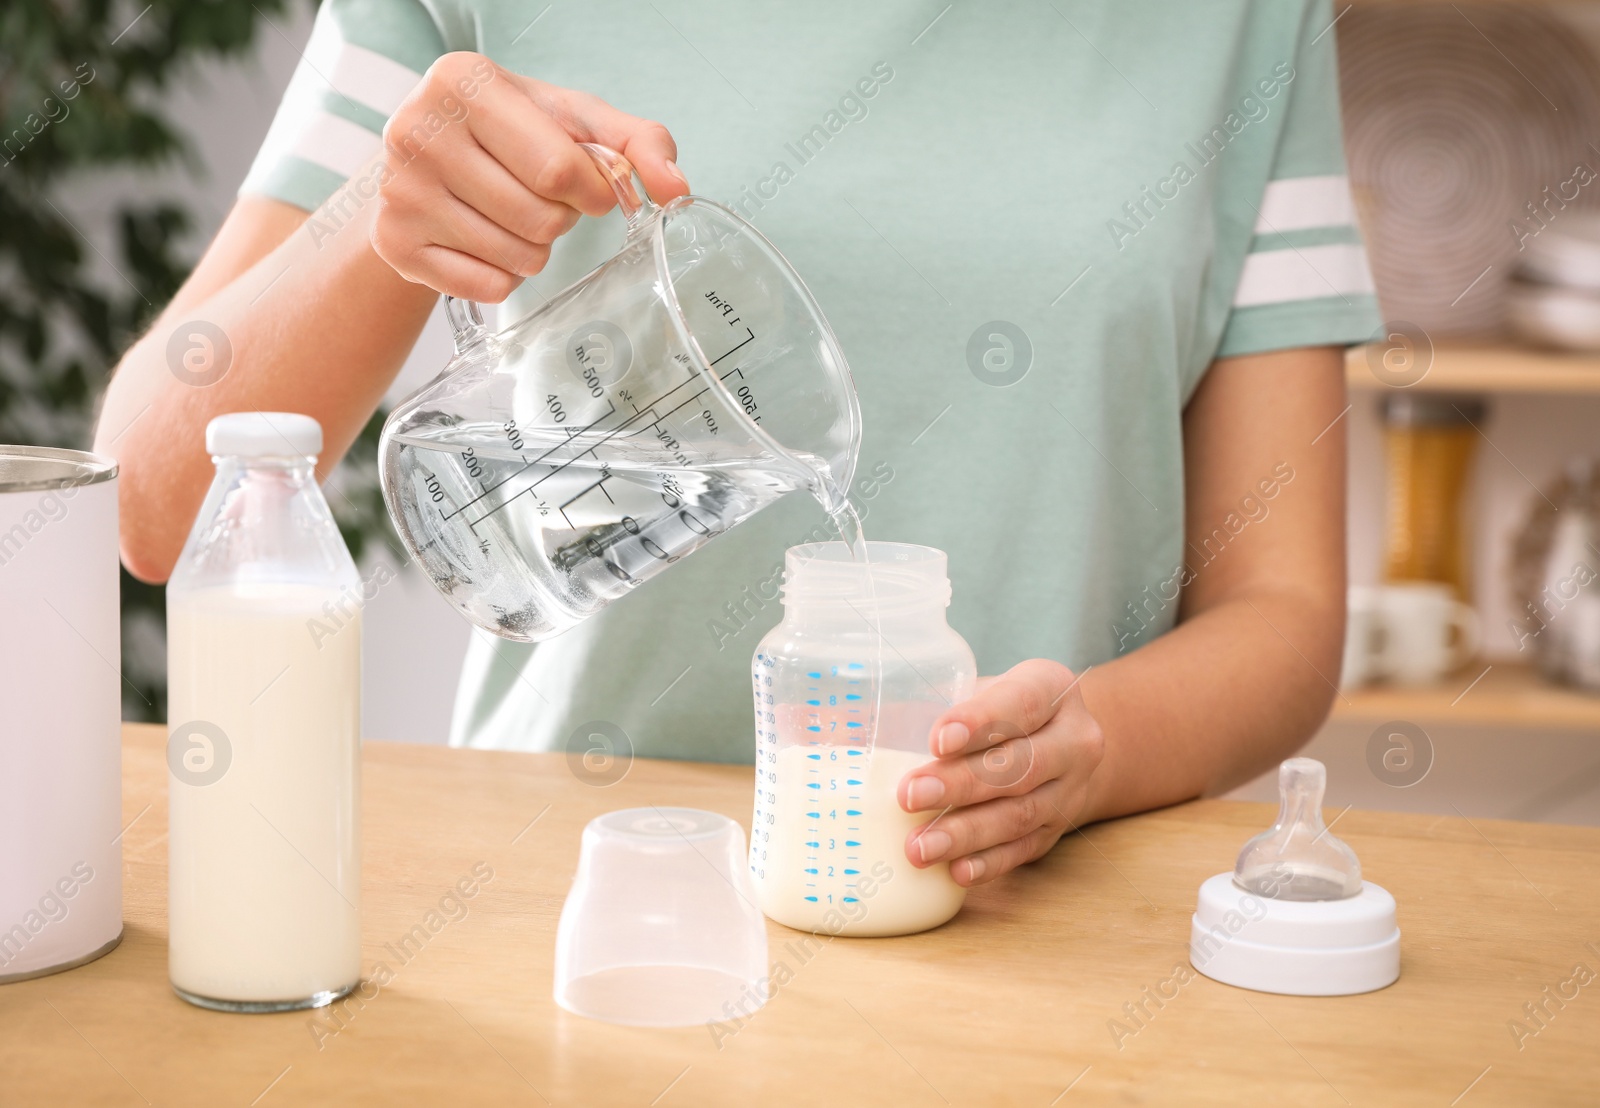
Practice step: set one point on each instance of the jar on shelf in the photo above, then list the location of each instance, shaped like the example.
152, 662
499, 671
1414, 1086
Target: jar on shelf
1429, 442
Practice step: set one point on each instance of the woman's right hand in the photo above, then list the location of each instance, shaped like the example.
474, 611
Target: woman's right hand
482, 172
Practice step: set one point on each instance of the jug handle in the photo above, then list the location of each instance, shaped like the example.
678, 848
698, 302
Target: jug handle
466, 317
619, 172
466, 322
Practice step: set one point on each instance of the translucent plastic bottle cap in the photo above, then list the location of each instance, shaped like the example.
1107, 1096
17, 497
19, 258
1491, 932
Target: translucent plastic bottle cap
1295, 916
263, 435
661, 927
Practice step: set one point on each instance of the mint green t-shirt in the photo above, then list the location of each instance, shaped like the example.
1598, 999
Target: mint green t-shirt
1032, 227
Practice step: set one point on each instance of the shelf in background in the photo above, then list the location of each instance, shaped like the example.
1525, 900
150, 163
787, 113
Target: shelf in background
1495, 367
1510, 694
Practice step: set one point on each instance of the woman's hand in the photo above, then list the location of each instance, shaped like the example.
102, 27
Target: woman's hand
482, 172
1012, 775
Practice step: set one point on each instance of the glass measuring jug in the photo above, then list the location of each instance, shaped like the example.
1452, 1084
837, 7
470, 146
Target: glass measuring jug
841, 716
663, 398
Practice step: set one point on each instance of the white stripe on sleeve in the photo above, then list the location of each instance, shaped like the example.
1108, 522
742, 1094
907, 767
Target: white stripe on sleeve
1307, 273
333, 142
304, 128
363, 75
1296, 203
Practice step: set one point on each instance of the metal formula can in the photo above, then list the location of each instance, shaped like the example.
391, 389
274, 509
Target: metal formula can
60, 711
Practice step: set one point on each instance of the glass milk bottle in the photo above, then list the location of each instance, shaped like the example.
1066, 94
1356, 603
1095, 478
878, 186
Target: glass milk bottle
263, 753
840, 719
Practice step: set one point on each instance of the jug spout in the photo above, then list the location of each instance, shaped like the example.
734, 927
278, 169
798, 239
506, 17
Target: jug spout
466, 322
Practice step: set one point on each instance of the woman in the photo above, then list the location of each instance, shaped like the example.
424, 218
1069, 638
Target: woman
1093, 264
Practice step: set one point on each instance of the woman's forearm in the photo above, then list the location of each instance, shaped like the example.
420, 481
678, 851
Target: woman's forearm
1249, 672
283, 314
1219, 699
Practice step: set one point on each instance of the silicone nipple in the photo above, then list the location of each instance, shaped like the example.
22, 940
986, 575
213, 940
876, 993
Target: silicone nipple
1298, 858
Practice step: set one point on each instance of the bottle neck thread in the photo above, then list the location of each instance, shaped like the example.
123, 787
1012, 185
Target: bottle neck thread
898, 580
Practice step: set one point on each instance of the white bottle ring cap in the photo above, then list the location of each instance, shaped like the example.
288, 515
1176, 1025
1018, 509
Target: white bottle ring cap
1300, 948
263, 435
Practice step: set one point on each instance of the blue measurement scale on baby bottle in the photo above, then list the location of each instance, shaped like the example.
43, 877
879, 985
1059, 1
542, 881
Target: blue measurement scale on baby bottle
812, 761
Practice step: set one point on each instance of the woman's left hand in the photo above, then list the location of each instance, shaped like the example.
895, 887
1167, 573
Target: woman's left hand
1012, 775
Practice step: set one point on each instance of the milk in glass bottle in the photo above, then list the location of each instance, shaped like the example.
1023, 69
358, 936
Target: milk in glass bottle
264, 673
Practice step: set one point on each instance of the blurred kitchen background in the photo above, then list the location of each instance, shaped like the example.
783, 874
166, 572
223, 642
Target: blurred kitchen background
1474, 141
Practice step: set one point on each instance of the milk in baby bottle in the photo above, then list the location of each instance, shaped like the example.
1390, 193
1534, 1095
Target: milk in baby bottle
841, 716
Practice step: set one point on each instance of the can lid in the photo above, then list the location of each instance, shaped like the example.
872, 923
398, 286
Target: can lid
263, 435
31, 468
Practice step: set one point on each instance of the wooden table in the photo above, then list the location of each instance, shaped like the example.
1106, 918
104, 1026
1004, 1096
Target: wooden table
1012, 1003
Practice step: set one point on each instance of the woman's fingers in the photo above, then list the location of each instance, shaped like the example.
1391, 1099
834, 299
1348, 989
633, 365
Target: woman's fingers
488, 187
986, 865
1010, 768
648, 145
462, 227
1019, 702
1015, 761
980, 827
484, 166
519, 134
424, 233
1026, 728
461, 275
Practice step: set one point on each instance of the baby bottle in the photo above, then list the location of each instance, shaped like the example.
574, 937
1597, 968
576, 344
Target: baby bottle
263, 751
846, 691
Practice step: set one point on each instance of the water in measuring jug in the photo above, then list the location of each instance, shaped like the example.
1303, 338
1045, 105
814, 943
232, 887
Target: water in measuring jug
536, 535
